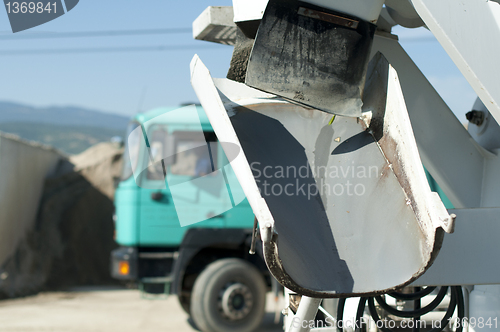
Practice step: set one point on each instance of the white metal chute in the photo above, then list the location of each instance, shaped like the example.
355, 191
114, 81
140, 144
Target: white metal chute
322, 243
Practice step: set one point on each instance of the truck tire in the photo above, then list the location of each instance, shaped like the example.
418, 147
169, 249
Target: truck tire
185, 303
228, 296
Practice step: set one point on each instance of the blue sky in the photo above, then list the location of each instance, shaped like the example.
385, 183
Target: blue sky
125, 82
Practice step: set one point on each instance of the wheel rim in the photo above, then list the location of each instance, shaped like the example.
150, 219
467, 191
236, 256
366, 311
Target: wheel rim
236, 301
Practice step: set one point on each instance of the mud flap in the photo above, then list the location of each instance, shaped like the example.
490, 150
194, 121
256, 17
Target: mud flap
343, 204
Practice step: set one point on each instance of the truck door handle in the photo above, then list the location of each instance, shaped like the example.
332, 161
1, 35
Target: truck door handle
212, 215
157, 196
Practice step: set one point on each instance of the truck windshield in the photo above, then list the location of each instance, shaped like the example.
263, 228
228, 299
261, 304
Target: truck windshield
193, 157
132, 143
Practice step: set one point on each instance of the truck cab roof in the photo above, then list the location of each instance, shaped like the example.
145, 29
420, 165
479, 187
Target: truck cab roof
178, 118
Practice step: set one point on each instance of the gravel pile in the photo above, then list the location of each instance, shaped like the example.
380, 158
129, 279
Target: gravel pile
72, 237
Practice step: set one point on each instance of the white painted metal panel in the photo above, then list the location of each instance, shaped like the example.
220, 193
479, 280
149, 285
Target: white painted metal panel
215, 24
469, 256
448, 151
245, 10
469, 31
368, 10
209, 97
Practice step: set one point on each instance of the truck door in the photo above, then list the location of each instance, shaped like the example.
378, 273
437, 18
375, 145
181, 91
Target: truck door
160, 224
196, 181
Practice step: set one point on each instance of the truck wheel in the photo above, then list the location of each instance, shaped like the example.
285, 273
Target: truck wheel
185, 303
228, 296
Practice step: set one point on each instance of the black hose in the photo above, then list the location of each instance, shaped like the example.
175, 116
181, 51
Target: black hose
359, 313
375, 316
460, 306
412, 296
414, 313
456, 303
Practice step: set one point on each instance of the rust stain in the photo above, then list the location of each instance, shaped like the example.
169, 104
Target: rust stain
385, 172
298, 95
330, 18
390, 150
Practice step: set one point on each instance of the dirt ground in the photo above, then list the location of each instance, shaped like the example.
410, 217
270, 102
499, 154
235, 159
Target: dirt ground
100, 309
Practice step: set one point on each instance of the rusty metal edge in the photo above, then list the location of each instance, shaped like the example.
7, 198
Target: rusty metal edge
275, 266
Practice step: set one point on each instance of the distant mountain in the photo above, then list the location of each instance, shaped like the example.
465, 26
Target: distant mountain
62, 116
69, 129
68, 139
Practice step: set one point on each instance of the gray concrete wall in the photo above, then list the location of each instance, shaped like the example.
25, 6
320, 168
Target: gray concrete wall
23, 169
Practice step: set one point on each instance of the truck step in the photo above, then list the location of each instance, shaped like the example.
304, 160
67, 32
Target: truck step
156, 280
155, 288
159, 255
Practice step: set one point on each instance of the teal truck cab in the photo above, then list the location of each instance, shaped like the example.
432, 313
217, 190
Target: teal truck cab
206, 264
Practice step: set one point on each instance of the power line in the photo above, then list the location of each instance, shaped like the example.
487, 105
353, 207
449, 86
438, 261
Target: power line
417, 40
159, 48
113, 33
104, 33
